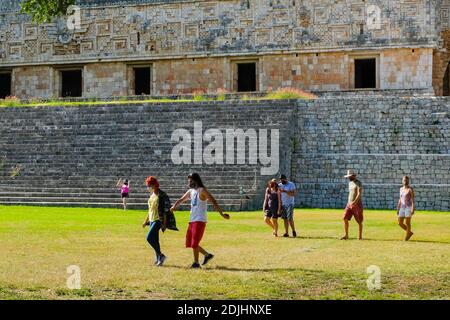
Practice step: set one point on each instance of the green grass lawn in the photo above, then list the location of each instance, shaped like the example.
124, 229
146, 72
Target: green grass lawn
38, 244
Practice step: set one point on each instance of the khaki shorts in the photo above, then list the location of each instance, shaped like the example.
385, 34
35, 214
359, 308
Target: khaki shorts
405, 213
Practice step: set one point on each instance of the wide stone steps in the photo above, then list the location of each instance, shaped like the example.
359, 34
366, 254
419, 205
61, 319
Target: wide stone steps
135, 206
73, 156
75, 177
96, 198
113, 194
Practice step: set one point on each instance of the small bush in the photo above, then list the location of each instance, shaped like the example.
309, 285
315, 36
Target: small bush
199, 95
289, 93
16, 170
35, 101
10, 102
221, 94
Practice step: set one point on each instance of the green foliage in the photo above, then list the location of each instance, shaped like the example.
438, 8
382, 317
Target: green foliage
16, 170
10, 102
199, 96
289, 93
44, 11
220, 97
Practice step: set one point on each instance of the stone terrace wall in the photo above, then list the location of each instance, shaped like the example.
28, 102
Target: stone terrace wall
80, 152
382, 139
73, 156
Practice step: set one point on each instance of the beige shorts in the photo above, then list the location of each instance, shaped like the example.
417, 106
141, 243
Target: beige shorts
404, 213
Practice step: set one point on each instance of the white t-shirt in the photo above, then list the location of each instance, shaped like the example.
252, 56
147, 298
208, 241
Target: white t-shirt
199, 208
285, 198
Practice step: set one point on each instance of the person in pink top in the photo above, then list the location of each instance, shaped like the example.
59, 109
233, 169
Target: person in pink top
405, 207
124, 191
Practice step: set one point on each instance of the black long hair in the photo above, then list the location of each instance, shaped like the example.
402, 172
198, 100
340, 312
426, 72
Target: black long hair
196, 178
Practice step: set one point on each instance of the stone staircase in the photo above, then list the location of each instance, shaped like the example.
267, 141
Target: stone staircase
73, 156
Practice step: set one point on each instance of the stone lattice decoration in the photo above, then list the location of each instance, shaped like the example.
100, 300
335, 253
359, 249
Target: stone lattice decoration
150, 27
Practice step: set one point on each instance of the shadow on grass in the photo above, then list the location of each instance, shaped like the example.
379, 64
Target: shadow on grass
232, 269
368, 239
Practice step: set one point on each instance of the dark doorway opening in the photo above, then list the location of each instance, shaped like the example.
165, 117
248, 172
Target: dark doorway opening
142, 82
71, 83
5, 85
246, 74
446, 82
365, 73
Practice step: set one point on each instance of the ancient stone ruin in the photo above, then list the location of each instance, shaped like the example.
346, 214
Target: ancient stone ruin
157, 47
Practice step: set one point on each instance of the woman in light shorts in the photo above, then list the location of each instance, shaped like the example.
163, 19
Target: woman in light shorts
405, 207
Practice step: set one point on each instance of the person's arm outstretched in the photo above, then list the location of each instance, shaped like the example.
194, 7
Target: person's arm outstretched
215, 204
184, 198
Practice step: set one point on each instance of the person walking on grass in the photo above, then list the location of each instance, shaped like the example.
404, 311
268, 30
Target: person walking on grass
124, 191
272, 206
287, 190
158, 206
405, 207
199, 196
354, 206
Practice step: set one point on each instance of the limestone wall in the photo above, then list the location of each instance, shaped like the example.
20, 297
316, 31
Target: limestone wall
149, 29
105, 80
33, 81
329, 71
79, 152
193, 45
382, 139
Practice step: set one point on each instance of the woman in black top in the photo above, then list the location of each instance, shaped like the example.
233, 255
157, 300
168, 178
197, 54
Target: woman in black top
272, 206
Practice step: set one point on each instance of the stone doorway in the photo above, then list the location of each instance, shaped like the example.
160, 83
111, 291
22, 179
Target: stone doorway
71, 83
446, 82
245, 76
5, 84
142, 81
365, 73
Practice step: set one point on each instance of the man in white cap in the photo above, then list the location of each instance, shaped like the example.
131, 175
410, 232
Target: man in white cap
354, 206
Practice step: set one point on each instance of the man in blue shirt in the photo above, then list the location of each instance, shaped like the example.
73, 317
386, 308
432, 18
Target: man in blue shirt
287, 189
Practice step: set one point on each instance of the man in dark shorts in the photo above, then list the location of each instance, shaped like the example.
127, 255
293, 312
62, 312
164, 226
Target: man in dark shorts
354, 206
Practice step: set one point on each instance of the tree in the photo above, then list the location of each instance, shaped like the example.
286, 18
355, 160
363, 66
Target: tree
43, 11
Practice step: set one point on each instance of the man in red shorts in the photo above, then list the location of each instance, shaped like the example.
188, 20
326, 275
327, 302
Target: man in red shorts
199, 196
354, 206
